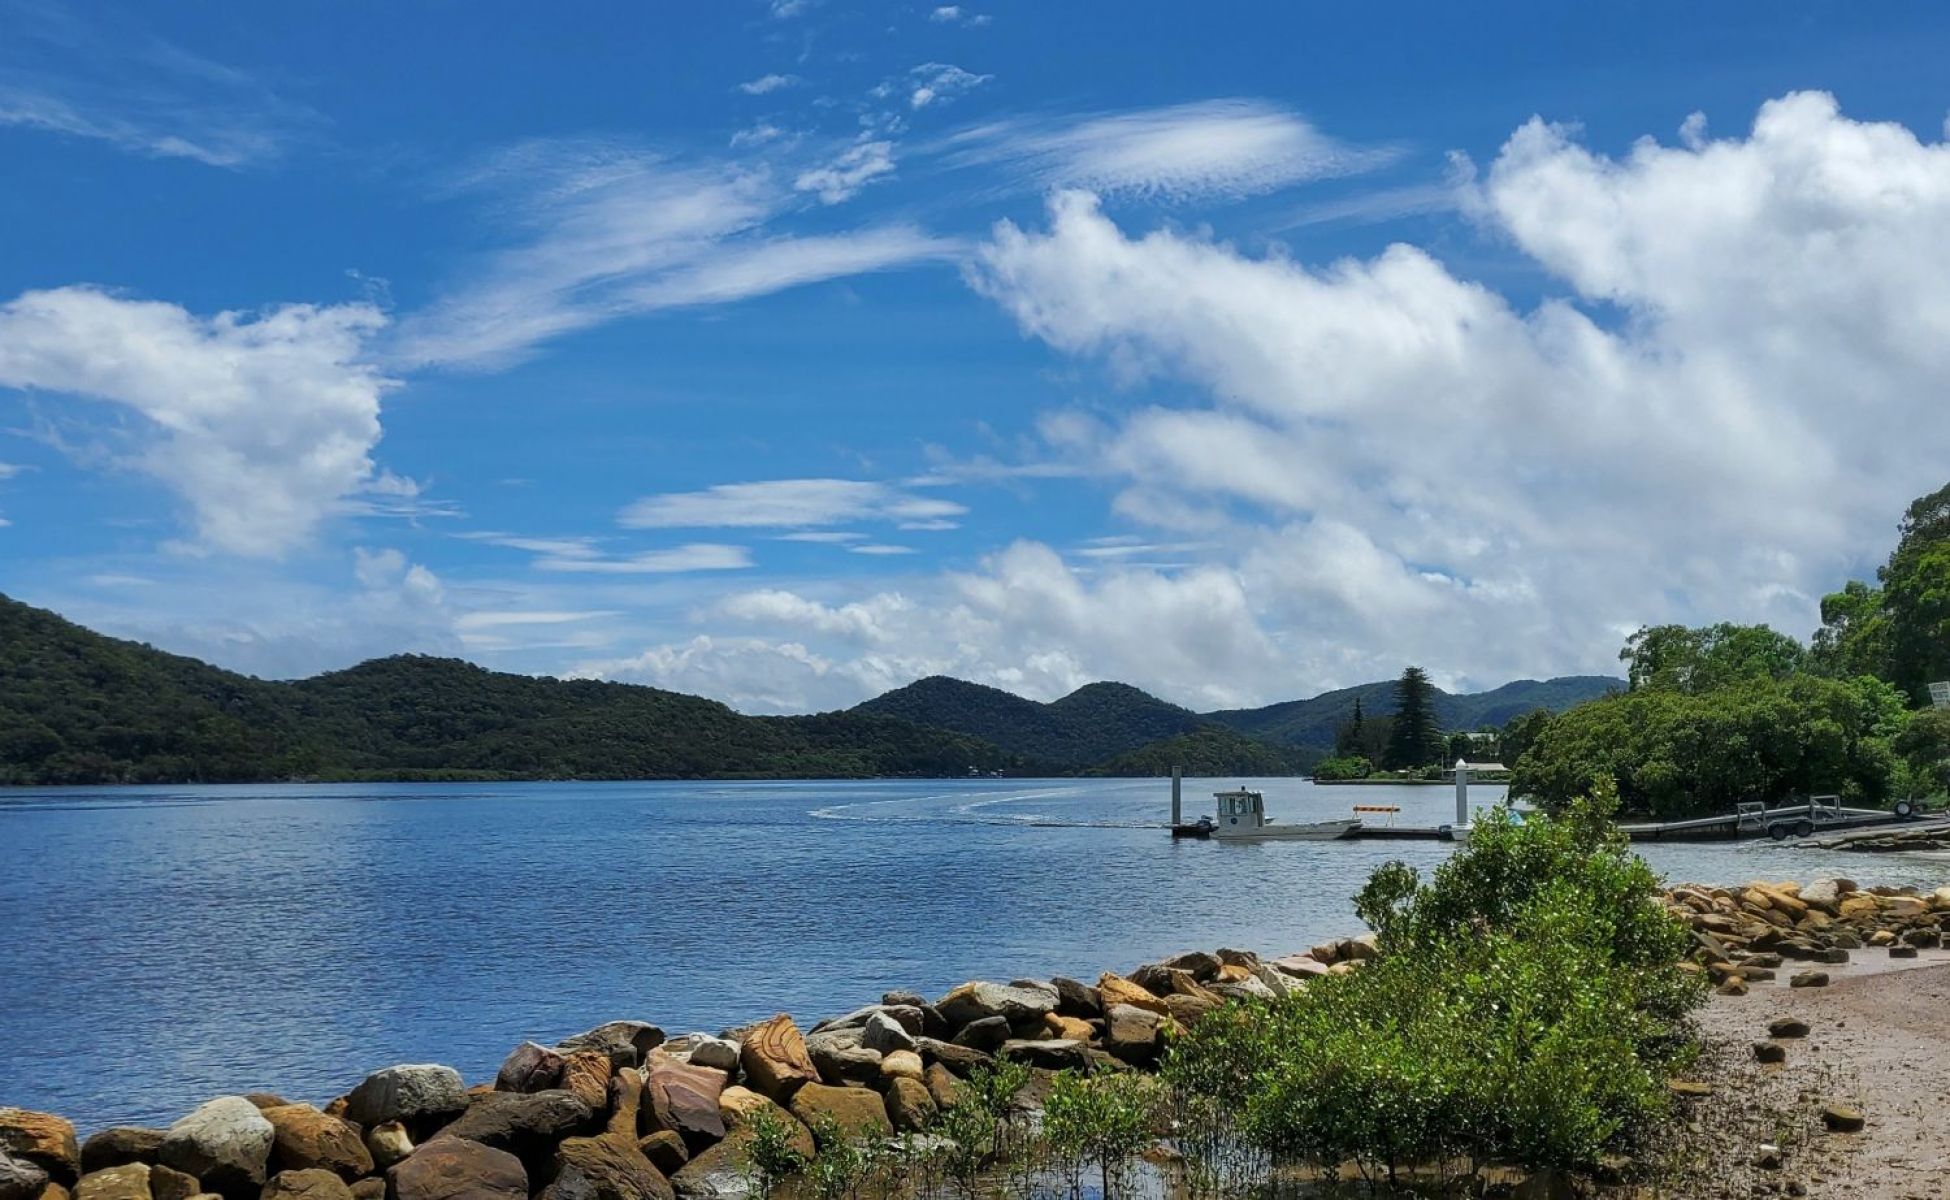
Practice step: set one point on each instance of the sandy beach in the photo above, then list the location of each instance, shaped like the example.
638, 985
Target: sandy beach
1878, 1042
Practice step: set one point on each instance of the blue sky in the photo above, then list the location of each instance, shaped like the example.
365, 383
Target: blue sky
787, 350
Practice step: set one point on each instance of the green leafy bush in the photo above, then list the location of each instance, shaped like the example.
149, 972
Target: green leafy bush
1349, 767
1526, 1007
1104, 1119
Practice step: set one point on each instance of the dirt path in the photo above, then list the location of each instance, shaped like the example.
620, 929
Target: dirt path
1879, 1042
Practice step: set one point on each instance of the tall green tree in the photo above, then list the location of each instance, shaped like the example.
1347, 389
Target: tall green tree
1348, 738
1916, 596
1854, 635
1674, 658
1416, 738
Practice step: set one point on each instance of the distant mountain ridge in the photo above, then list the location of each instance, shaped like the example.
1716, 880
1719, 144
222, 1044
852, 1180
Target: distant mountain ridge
1311, 724
77, 706
1096, 722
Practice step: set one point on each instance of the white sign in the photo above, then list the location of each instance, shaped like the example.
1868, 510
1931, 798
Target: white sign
1940, 694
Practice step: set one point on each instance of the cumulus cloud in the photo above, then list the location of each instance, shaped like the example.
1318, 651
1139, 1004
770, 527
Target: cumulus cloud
786, 504
262, 423
937, 82
1213, 148
955, 14
1025, 621
1700, 427
1732, 387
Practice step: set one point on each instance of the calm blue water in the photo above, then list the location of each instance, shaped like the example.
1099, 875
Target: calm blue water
167, 945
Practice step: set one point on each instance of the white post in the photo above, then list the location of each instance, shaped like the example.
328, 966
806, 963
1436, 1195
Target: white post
1177, 814
1462, 794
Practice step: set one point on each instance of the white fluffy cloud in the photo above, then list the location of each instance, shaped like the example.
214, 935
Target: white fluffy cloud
1728, 409
1025, 621
262, 423
1734, 385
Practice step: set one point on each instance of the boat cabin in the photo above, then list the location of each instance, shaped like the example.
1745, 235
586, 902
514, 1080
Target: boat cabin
1240, 810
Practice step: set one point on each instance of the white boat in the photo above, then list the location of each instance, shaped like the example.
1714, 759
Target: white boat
1242, 817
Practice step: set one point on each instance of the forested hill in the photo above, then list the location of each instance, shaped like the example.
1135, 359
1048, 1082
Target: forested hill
78, 707
1092, 724
1310, 725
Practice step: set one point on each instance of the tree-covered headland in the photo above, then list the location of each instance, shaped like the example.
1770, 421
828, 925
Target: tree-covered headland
1723, 713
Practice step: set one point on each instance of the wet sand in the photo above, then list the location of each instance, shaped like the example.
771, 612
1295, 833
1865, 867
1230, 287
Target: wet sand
1879, 1042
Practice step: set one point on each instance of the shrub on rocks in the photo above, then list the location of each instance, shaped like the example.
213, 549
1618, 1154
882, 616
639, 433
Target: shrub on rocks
1526, 1006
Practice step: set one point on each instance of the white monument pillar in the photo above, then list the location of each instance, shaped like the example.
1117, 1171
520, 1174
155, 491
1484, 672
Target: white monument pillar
1462, 797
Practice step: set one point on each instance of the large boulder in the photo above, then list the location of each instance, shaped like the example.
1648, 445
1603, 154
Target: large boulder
883, 1033
43, 1139
118, 1145
1202, 965
1050, 1054
606, 1167
530, 1067
526, 1125
957, 1058
665, 1150
311, 1184
304, 1138
1115, 989
1075, 999
226, 1143
587, 1074
739, 1106
388, 1143
167, 1183
719, 1173
908, 1016
683, 1098
910, 1108
410, 1092
902, 1064
839, 1057
943, 1088
841, 1112
1134, 1034
720, 1054
1018, 1004
452, 1168
20, 1179
985, 1034
130, 1181
627, 1043
775, 1060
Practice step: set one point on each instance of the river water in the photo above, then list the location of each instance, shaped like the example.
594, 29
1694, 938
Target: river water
164, 945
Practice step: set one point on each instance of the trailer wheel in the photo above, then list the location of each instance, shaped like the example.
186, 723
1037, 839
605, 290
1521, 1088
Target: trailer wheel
1778, 832
1905, 809
1803, 827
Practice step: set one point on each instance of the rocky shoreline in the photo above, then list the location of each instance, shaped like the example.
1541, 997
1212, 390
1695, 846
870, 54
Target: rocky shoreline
623, 1112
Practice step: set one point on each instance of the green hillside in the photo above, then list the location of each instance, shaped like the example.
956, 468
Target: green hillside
1208, 751
78, 707
1092, 724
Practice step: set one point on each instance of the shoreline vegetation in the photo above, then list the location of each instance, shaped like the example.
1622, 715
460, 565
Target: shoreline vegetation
1523, 1015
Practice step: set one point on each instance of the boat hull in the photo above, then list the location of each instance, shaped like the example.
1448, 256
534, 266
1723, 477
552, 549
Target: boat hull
1318, 831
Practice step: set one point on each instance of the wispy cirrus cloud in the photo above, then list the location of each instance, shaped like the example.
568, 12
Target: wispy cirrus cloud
600, 230
786, 504
112, 82
766, 84
674, 560
936, 82
1213, 148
